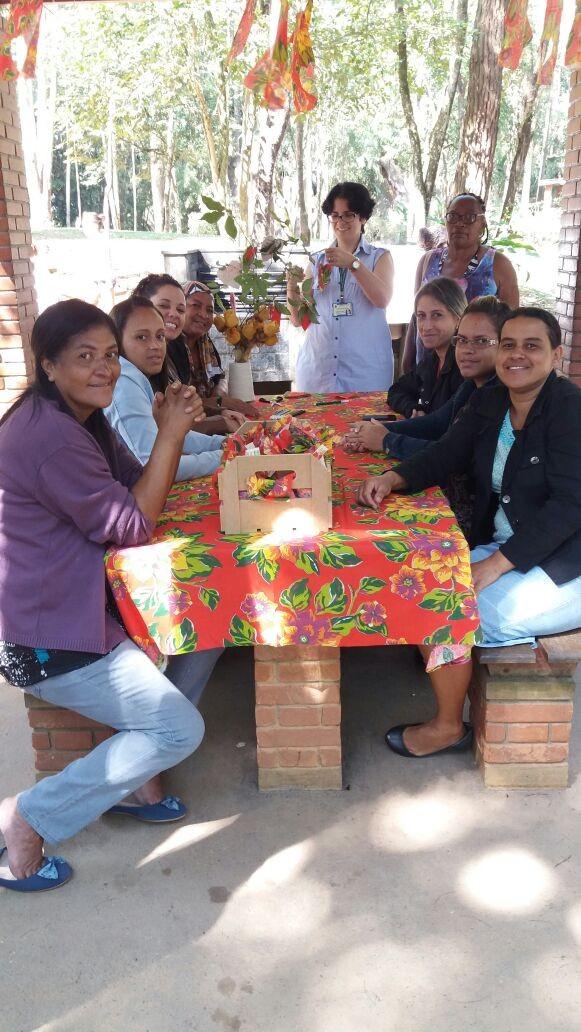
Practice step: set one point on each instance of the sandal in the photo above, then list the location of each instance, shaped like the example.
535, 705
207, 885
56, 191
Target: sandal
53, 872
168, 810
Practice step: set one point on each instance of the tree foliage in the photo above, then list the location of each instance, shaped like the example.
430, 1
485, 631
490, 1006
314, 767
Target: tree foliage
147, 112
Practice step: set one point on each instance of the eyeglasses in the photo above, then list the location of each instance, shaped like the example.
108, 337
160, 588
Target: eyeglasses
475, 342
453, 218
347, 217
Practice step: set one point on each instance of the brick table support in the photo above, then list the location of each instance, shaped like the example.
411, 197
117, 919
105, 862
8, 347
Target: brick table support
17, 297
60, 736
521, 706
298, 717
569, 279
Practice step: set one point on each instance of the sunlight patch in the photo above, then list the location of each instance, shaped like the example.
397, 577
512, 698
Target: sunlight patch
404, 824
510, 881
187, 835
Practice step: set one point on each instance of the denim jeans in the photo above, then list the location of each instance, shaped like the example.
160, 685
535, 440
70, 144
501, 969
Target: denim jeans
520, 607
158, 722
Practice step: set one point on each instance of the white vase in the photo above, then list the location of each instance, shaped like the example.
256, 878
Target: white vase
240, 384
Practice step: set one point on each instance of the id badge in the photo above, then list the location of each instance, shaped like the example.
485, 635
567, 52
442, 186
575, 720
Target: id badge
342, 308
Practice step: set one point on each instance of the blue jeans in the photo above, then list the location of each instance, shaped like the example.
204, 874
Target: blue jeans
158, 722
520, 607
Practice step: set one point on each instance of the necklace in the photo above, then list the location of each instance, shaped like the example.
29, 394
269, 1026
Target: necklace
472, 264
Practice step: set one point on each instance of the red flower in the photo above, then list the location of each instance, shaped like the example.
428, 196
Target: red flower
306, 321
274, 314
249, 254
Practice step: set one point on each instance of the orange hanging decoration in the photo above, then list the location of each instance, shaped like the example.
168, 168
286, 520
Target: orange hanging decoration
302, 62
243, 31
23, 20
517, 33
549, 42
270, 79
573, 52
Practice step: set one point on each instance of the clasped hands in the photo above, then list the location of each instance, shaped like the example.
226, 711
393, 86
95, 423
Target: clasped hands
368, 435
178, 408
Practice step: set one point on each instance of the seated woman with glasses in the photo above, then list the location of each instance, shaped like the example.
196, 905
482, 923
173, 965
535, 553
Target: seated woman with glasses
349, 349
520, 442
438, 308
475, 343
480, 270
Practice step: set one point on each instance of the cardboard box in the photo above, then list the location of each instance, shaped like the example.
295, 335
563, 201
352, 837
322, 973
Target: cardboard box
302, 515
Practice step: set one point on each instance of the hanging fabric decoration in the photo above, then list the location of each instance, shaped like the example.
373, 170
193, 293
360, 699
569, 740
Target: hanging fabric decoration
287, 69
549, 42
243, 31
23, 20
517, 33
573, 52
270, 79
302, 62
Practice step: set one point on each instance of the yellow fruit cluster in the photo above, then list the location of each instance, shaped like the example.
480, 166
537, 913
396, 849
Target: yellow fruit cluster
256, 329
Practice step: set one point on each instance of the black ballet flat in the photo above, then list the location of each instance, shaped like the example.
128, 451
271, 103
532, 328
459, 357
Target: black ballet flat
394, 740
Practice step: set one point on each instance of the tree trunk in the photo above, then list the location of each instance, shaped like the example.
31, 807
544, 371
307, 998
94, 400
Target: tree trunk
268, 137
247, 135
426, 169
304, 228
480, 123
523, 142
156, 166
78, 186
67, 181
38, 140
134, 187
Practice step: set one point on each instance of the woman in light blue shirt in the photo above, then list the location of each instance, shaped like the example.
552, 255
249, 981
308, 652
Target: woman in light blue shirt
349, 349
143, 373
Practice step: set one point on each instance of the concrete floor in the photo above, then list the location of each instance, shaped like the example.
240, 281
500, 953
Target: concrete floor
413, 900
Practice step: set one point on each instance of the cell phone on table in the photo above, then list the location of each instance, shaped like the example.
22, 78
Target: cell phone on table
383, 417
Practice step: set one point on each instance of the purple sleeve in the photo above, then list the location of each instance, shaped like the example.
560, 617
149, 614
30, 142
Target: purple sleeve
76, 484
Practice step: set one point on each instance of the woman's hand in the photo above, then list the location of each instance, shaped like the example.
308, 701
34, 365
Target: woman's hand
365, 436
176, 410
417, 412
339, 257
487, 571
248, 409
373, 490
232, 420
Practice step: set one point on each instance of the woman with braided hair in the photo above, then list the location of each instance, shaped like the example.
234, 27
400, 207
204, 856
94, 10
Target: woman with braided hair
479, 269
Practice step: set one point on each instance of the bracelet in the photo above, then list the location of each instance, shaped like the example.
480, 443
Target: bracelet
218, 399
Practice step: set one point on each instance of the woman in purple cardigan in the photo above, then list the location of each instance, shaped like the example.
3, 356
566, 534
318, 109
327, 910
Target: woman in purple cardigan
69, 488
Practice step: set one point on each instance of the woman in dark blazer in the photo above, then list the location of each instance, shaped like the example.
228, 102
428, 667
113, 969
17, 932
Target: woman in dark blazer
521, 444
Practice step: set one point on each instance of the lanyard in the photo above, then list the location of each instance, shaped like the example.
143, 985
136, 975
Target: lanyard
342, 278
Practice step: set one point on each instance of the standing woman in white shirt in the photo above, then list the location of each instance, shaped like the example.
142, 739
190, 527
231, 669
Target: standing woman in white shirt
349, 349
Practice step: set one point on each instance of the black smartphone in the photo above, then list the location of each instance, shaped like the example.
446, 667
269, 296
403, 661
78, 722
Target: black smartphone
385, 417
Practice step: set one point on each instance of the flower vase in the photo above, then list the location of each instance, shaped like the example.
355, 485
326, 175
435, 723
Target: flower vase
240, 383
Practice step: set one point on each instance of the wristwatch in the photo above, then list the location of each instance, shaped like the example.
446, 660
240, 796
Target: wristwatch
355, 264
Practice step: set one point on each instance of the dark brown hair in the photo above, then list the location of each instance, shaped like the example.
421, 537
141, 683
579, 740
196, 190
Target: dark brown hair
120, 315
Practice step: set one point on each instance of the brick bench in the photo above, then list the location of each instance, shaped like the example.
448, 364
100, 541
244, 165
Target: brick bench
521, 706
60, 736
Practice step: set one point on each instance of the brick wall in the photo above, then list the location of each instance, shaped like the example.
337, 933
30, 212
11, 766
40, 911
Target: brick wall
60, 736
17, 297
569, 279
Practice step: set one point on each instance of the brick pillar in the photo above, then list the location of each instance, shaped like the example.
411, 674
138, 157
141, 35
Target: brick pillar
60, 736
17, 296
521, 707
298, 717
569, 279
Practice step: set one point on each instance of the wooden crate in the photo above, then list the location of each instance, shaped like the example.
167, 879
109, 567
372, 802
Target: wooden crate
246, 515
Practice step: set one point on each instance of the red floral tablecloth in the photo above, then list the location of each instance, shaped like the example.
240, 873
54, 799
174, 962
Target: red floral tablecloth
398, 576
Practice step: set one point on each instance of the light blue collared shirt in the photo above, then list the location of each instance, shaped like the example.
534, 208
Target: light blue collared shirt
346, 353
131, 416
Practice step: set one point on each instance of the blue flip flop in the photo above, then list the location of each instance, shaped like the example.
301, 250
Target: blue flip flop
168, 810
53, 873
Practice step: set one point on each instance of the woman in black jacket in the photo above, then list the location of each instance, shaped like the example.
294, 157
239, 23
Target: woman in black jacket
438, 308
521, 444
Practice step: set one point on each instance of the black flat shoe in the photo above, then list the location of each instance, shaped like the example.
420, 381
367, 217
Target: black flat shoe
394, 740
